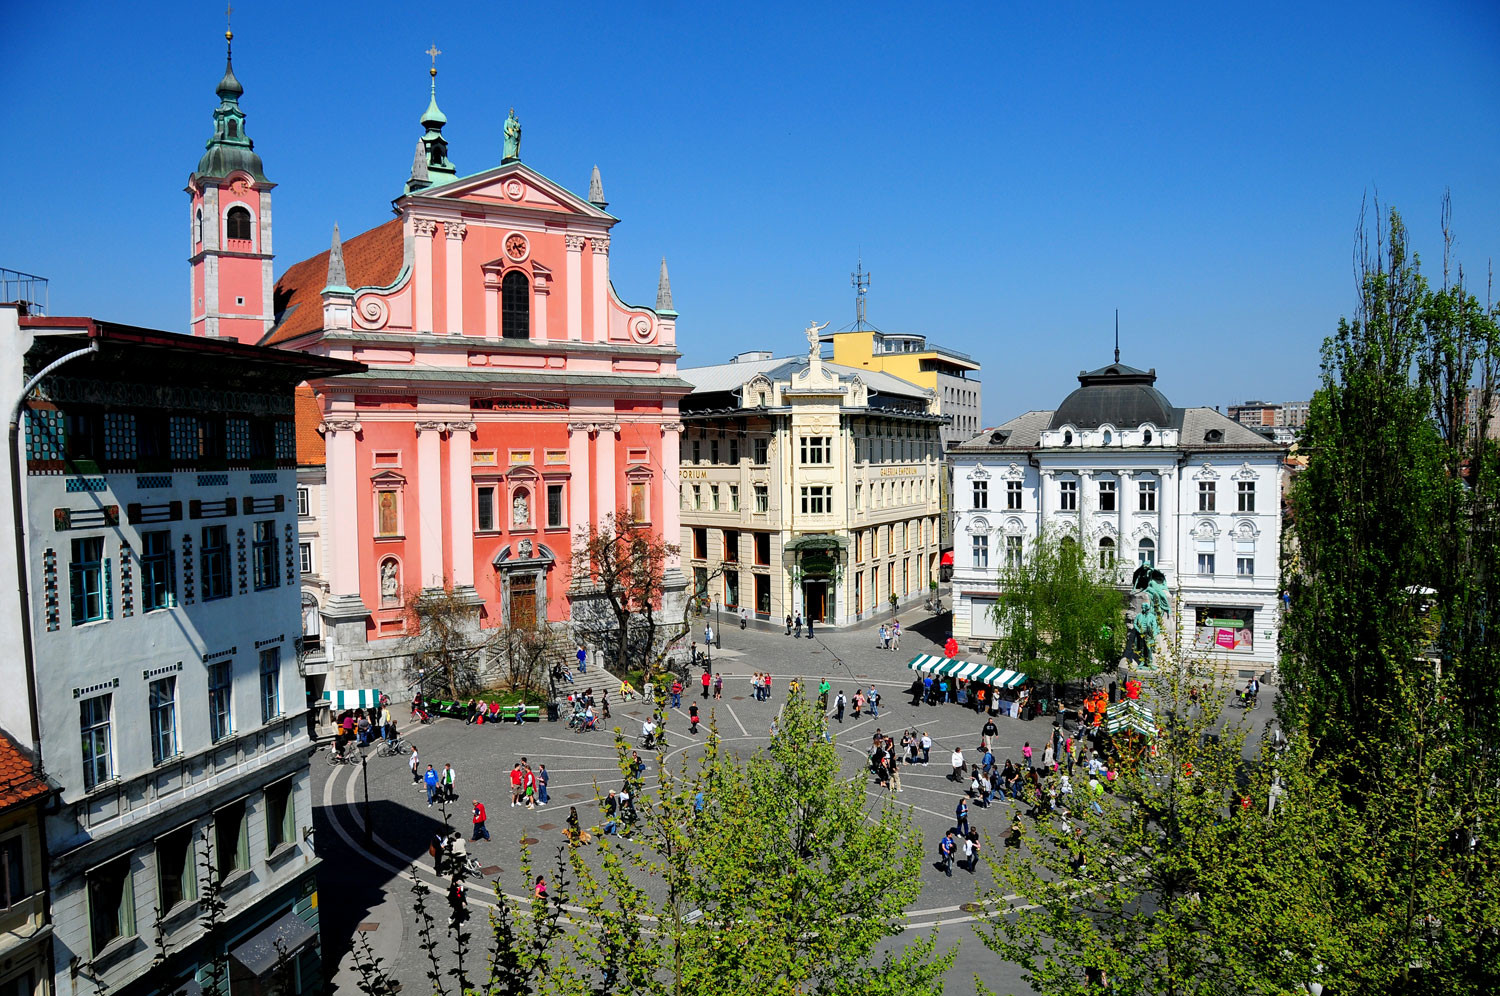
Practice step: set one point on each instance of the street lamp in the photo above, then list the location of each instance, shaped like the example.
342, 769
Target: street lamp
365, 771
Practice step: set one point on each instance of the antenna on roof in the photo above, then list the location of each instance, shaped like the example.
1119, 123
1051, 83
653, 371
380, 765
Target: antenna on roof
861, 282
1117, 335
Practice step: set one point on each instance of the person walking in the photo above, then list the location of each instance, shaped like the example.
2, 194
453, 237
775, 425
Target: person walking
480, 830
873, 698
895, 762
945, 853
515, 784
676, 692
450, 783
957, 761
797, 627
693, 719
719, 686
708, 634
604, 703
823, 688
986, 732
1026, 753
414, 763
859, 702
385, 722
809, 626
583, 659
896, 635
926, 746
744, 617
541, 786
707, 681
431, 780
788, 624
961, 815
1047, 756
838, 707
971, 848
882, 640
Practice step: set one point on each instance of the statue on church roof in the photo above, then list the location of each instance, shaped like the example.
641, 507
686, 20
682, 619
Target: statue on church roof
512, 137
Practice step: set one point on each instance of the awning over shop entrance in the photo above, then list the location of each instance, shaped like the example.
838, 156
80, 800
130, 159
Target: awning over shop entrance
969, 670
353, 698
1130, 715
258, 954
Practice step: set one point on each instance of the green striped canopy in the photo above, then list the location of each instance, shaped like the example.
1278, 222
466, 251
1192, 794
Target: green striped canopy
353, 698
970, 670
1130, 714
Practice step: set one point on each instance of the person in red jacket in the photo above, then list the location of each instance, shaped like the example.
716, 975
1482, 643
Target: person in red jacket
480, 830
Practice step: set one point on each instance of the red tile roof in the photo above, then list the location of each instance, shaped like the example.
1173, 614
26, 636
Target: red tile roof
309, 415
18, 780
371, 259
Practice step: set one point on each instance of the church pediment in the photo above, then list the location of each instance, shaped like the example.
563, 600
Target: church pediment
518, 186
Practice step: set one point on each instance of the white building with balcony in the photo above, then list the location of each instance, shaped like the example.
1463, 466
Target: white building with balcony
1137, 481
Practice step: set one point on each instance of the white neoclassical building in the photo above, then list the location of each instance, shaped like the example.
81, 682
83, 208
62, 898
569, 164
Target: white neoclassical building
1137, 480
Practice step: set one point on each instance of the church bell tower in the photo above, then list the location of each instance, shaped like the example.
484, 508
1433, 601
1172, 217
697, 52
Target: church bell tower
230, 222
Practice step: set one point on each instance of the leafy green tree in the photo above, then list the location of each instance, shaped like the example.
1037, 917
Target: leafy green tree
781, 883
1060, 615
1185, 879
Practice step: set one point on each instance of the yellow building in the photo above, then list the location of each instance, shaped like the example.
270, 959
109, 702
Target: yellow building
25, 921
947, 373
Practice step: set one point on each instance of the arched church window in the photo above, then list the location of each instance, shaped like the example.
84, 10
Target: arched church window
238, 223
1145, 552
515, 306
198, 228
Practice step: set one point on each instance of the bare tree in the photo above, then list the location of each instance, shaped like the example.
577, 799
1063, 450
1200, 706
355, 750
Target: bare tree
625, 566
446, 641
531, 655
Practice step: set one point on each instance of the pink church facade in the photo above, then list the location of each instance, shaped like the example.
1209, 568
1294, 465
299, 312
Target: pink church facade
511, 397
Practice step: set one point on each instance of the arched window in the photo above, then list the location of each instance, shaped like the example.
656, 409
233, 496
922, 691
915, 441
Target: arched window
237, 223
1068, 438
234, 128
1106, 553
1107, 437
1146, 437
198, 228
515, 306
1145, 552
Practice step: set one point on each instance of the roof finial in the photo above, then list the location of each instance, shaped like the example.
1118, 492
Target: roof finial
438, 168
596, 190
338, 277
229, 25
419, 166
664, 291
1117, 335
229, 88
433, 51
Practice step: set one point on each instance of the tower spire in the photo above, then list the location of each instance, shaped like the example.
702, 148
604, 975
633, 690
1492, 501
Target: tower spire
437, 167
596, 190
338, 277
1117, 335
664, 291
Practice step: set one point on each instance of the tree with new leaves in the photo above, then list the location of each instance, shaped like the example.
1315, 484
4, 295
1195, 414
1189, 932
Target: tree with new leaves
445, 644
1059, 614
782, 883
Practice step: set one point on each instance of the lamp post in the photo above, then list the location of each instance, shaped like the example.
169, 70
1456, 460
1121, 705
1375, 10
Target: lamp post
365, 771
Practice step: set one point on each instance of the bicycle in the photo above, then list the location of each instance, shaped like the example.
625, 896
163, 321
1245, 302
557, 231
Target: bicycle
394, 747
342, 755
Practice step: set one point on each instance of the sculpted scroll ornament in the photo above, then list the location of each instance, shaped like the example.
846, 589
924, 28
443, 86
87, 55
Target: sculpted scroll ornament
371, 312
640, 328
340, 425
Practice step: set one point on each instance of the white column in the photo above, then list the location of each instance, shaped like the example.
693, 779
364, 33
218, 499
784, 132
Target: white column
460, 504
670, 499
1043, 498
1085, 498
604, 453
343, 494
1168, 519
574, 277
601, 287
429, 502
578, 482
540, 290
453, 270
491, 305
423, 230
1123, 498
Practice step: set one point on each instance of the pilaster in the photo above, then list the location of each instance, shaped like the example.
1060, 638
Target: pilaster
422, 230
491, 305
600, 244
460, 503
669, 498
541, 289
1168, 540
604, 453
574, 278
453, 270
429, 502
578, 465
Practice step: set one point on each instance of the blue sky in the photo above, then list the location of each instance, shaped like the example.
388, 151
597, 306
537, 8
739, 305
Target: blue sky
1011, 173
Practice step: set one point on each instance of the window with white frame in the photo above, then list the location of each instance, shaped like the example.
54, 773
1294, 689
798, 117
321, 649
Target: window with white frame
817, 449
1205, 564
94, 720
981, 494
1106, 496
1244, 567
111, 903
1247, 496
817, 500
1207, 496
1145, 552
1147, 496
162, 703
1015, 550
1013, 496
220, 700
981, 551
304, 502
762, 498
1106, 553
1067, 496
263, 555
759, 448
484, 508
556, 517
270, 684
304, 557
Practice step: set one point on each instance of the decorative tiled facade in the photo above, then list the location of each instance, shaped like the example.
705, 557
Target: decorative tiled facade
239, 553
119, 436
44, 434
187, 568
85, 485
238, 439
127, 582
49, 590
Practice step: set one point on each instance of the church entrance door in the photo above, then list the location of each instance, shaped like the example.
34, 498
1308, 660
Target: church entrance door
523, 601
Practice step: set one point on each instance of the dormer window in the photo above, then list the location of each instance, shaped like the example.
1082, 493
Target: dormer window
1146, 437
1068, 438
1214, 436
237, 224
1108, 437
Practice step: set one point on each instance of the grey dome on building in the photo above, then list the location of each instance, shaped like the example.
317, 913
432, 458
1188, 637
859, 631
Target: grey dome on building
1116, 395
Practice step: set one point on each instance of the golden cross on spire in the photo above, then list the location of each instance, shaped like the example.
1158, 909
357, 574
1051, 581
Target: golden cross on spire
229, 22
433, 51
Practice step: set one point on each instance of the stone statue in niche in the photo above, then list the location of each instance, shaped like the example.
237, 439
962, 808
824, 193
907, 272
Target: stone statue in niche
520, 510
390, 585
525, 549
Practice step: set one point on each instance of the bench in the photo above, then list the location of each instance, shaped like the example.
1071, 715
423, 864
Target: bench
533, 714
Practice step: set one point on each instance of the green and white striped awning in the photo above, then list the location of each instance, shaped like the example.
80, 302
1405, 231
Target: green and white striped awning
1130, 714
970, 670
352, 698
